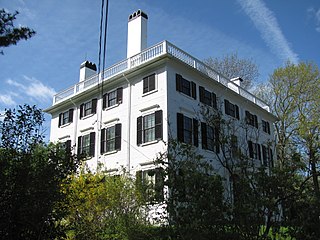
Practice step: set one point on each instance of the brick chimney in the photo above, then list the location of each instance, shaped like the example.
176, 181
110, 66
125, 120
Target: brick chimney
137, 33
87, 69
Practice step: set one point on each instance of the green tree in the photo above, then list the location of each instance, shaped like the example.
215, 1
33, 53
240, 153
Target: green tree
233, 66
31, 174
9, 34
105, 207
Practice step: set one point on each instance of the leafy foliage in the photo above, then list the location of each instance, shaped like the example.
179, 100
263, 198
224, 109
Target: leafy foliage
31, 175
9, 34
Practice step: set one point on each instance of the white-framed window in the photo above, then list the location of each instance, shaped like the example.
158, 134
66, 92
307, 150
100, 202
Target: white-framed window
267, 156
149, 127
186, 87
112, 98
266, 126
231, 109
254, 150
251, 119
86, 145
65, 117
187, 129
149, 83
88, 108
209, 137
111, 138
208, 98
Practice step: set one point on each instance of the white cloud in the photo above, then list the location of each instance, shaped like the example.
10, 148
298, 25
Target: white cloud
33, 88
7, 99
315, 15
267, 24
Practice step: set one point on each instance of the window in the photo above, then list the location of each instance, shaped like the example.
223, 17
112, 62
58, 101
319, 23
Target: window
266, 126
149, 83
111, 138
254, 150
208, 98
231, 109
210, 138
88, 108
185, 86
66, 117
149, 127
151, 183
267, 156
187, 129
235, 151
251, 119
67, 146
112, 98
86, 145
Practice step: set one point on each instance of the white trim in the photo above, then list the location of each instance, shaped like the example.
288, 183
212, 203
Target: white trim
64, 137
113, 120
86, 129
150, 107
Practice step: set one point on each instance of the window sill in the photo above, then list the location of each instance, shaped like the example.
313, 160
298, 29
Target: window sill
113, 106
88, 116
65, 125
150, 143
148, 93
110, 152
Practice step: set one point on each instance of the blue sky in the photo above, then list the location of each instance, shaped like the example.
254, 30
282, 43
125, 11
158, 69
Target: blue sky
268, 32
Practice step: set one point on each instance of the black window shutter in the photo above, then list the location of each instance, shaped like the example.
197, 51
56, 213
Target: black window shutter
152, 82
103, 136
256, 121
268, 127
226, 106
139, 130
201, 93
104, 101
214, 100
193, 90
195, 133
250, 149
259, 151
81, 110
204, 135
247, 117
237, 112
264, 155
271, 158
118, 136
180, 127
159, 184
216, 138
178, 82
79, 145
68, 146
92, 142
60, 119
94, 106
70, 115
158, 122
145, 85
119, 95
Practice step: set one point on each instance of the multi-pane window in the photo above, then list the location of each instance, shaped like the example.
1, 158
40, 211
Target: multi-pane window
88, 108
267, 156
86, 145
187, 129
231, 109
235, 151
185, 86
66, 117
209, 136
251, 119
149, 127
208, 98
254, 150
111, 138
112, 98
151, 183
149, 83
266, 126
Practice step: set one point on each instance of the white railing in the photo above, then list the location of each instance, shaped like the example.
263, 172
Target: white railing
149, 54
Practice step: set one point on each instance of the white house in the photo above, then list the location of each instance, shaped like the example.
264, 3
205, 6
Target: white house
121, 117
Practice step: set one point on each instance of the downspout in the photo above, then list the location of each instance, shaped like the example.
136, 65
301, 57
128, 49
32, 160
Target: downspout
75, 125
129, 124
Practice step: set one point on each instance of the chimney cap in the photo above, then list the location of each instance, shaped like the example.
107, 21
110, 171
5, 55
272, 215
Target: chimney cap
136, 14
90, 65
